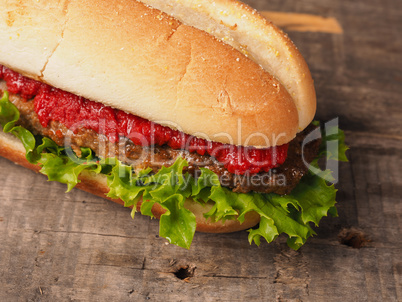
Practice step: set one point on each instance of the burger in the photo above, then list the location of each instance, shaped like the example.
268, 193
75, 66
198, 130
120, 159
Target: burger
194, 112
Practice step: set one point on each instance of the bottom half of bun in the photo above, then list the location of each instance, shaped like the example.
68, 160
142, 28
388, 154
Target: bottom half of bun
12, 149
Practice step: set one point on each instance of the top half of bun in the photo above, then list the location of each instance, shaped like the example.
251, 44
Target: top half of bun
213, 69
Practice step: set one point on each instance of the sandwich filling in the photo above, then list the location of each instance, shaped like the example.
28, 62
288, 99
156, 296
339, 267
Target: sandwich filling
67, 118
172, 188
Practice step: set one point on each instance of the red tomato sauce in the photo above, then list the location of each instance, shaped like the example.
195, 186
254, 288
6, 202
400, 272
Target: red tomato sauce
76, 112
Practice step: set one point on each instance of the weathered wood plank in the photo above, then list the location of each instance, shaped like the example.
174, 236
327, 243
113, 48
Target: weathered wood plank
77, 247
358, 75
81, 247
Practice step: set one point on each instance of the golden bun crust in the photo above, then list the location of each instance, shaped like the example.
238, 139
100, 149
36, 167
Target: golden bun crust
242, 27
256, 91
12, 149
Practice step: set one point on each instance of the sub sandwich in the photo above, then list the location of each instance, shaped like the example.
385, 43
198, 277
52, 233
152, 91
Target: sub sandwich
194, 112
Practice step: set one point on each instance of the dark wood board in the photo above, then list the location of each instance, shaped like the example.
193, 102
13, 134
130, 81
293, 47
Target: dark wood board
77, 247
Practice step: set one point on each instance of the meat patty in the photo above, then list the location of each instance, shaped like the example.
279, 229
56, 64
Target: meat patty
280, 180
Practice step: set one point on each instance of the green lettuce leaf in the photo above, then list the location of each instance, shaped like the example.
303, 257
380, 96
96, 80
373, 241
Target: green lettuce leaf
9, 115
169, 187
178, 224
333, 145
58, 163
293, 214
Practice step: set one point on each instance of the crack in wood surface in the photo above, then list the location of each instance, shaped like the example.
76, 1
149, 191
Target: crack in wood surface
84, 233
143, 263
349, 133
234, 276
112, 265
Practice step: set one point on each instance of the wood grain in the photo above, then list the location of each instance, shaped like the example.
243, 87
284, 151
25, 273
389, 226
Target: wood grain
304, 22
77, 247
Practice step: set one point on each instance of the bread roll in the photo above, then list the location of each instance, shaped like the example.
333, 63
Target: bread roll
249, 87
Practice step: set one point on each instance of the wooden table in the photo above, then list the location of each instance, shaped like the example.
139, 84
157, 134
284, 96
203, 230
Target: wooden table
76, 247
